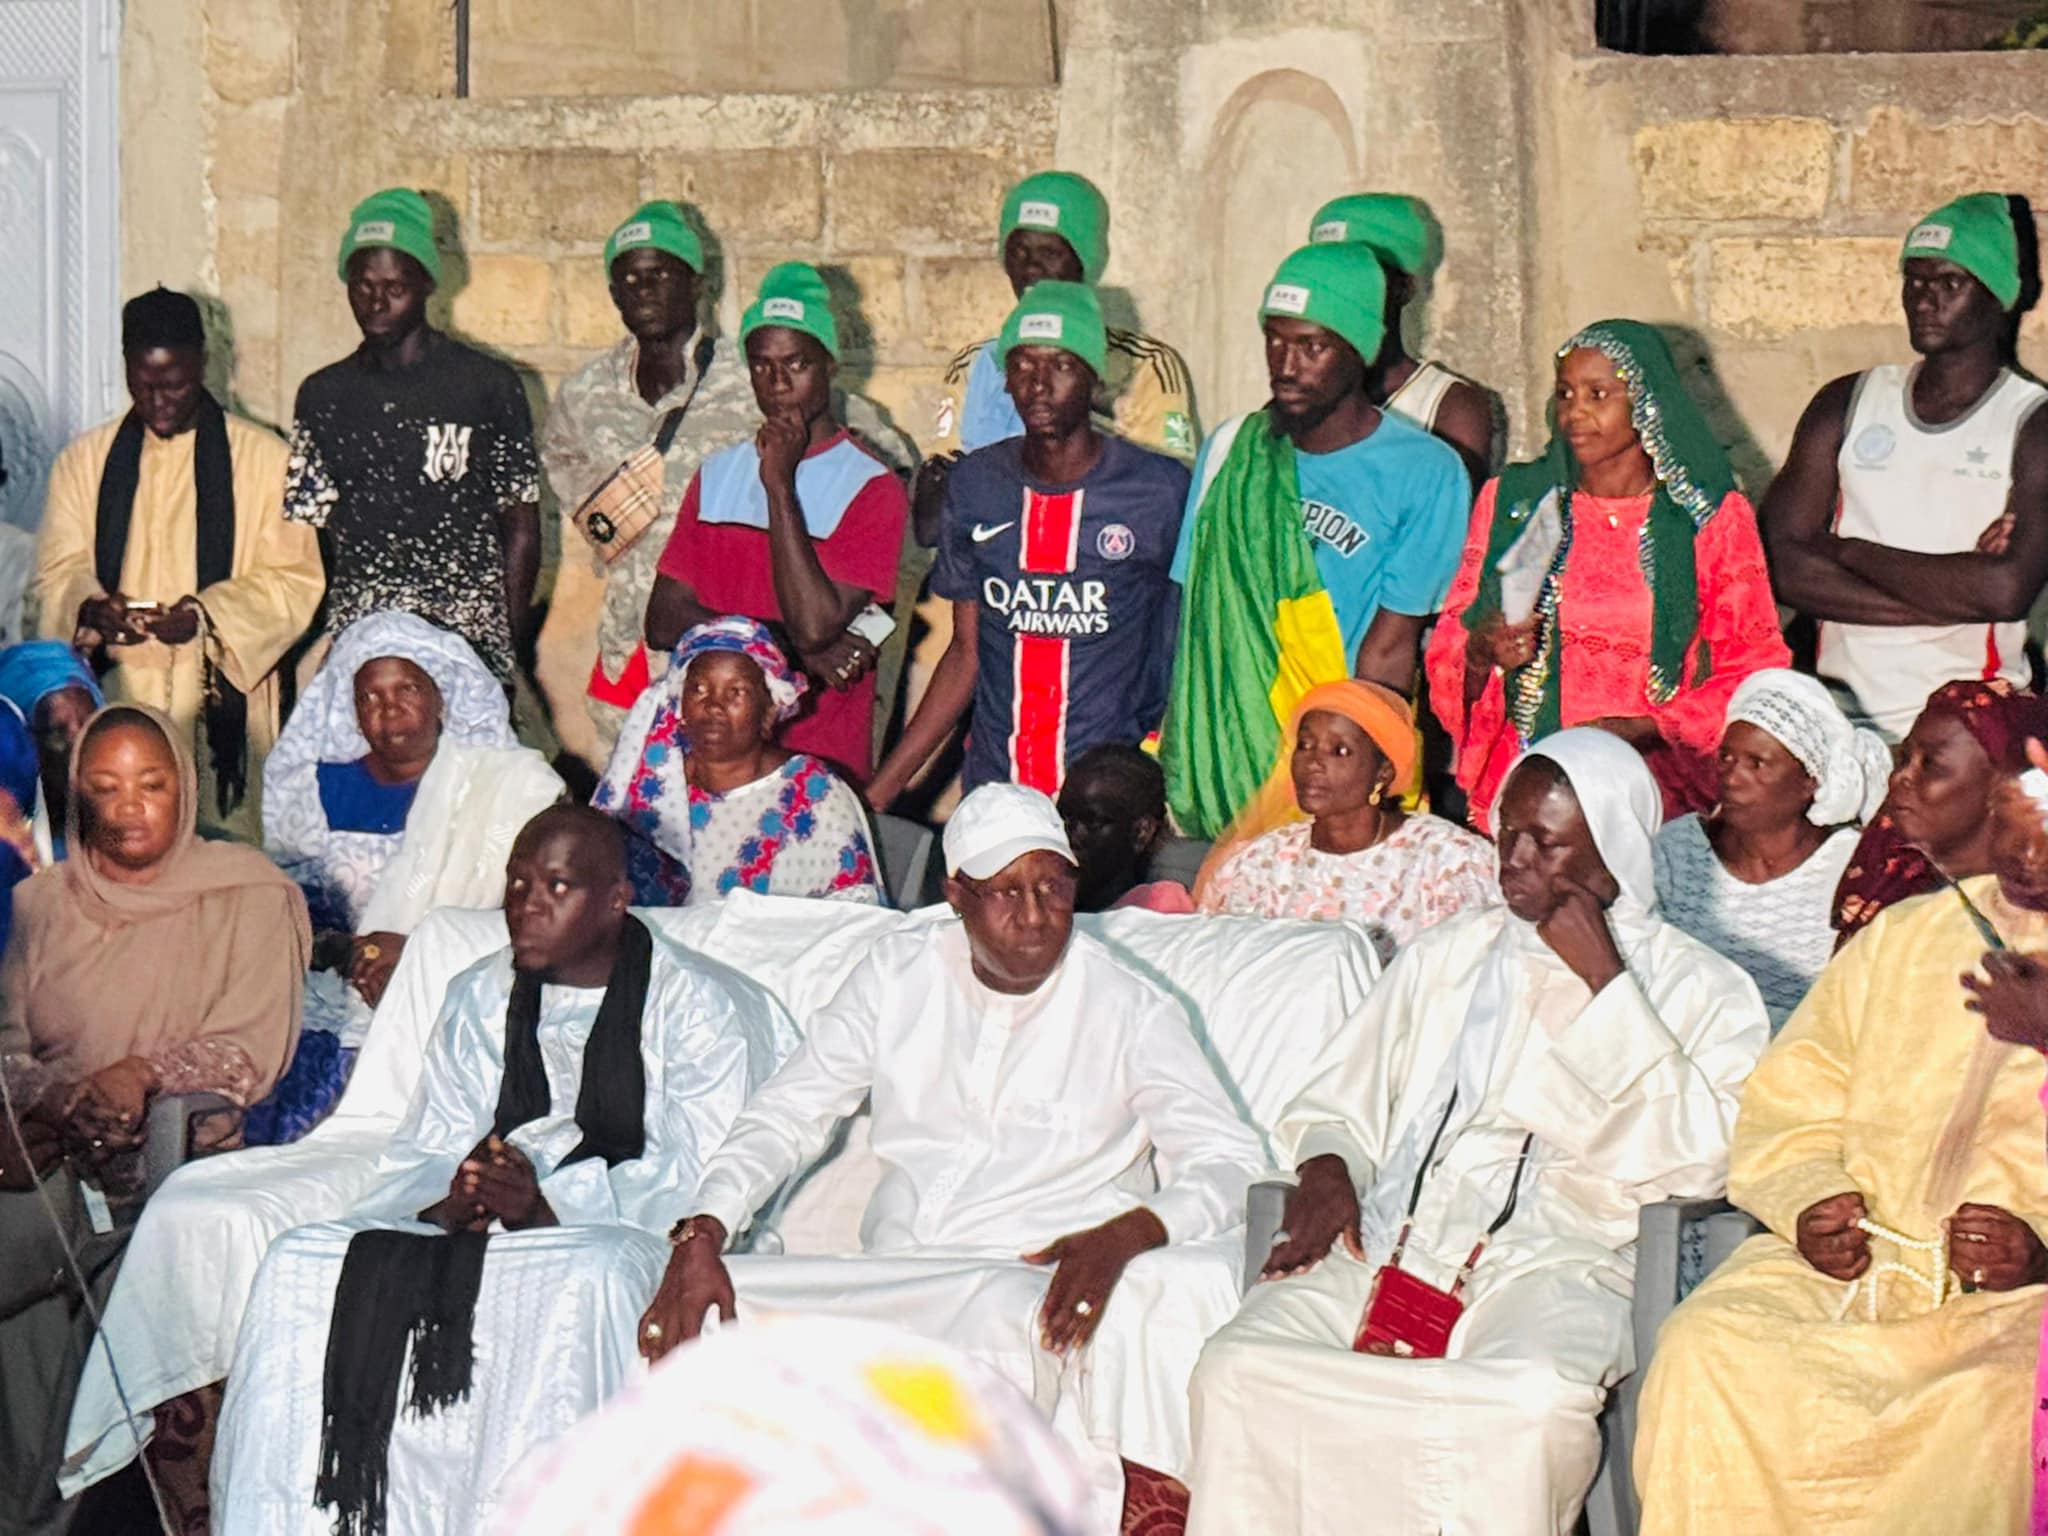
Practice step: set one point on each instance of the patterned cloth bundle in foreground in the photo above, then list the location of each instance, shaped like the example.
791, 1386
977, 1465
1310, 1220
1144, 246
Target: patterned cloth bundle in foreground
827, 1427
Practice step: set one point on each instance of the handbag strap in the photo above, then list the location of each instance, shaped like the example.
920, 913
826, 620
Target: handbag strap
1428, 1157
672, 420
670, 424
1507, 1211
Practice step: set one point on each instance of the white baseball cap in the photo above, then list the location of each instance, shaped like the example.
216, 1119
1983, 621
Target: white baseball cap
998, 824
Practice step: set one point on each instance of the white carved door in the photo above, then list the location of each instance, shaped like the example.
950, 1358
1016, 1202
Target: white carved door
60, 237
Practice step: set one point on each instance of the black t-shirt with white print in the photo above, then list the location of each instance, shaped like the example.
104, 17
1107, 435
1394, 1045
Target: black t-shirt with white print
406, 471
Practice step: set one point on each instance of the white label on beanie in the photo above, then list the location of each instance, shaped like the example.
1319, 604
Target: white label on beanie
1039, 215
1930, 237
782, 309
1288, 298
1328, 232
639, 232
375, 229
1039, 328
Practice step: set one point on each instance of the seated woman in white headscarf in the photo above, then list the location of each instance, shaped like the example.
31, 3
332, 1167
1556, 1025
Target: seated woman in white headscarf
710, 803
1755, 877
1533, 1074
396, 787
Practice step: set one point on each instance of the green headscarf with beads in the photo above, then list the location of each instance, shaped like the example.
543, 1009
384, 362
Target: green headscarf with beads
1693, 478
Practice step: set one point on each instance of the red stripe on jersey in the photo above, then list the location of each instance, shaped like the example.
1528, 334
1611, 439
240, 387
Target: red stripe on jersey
1048, 546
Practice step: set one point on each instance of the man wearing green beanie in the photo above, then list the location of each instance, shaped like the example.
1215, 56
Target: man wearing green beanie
1403, 233
668, 378
1055, 224
1911, 517
1055, 551
800, 526
414, 454
1322, 534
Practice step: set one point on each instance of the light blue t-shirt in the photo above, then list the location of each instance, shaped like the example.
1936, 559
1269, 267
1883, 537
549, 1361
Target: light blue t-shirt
1386, 517
988, 414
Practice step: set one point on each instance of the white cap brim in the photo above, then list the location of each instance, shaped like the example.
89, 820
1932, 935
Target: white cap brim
984, 862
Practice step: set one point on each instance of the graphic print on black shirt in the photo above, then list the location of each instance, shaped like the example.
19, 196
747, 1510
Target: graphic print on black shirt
406, 472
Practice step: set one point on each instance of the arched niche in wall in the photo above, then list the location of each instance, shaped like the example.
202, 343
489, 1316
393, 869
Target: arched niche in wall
1282, 146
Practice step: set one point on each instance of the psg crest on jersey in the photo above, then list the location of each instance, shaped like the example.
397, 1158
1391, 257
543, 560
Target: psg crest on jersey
1116, 542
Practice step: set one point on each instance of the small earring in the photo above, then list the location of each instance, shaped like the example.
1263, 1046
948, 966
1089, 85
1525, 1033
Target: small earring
1374, 797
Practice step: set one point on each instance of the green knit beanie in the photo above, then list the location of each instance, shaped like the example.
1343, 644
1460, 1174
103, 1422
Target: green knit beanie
1053, 313
795, 296
1399, 228
658, 226
1067, 205
1976, 233
397, 219
1339, 287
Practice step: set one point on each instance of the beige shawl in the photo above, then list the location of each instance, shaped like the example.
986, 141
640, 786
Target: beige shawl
214, 948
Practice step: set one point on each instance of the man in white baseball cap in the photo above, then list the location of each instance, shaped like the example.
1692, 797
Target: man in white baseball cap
1017, 1073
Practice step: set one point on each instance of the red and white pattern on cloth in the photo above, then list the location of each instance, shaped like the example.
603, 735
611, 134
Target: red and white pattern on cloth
1426, 870
1604, 619
1038, 735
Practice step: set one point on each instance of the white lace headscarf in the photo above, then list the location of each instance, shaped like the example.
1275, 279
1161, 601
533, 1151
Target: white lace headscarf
1850, 768
323, 726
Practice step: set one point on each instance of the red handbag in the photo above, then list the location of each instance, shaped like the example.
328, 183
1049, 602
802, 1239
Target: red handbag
1406, 1316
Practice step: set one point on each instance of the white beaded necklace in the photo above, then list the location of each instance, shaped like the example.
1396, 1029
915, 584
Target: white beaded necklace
1934, 1282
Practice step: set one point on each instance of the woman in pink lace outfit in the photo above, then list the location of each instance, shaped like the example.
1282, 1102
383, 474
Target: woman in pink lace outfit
1652, 604
1336, 845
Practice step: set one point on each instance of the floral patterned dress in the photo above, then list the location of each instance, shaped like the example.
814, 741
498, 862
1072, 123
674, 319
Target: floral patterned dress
795, 831
1425, 871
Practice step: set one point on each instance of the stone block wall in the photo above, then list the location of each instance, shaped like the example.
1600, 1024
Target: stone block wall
1218, 130
659, 47
1755, 207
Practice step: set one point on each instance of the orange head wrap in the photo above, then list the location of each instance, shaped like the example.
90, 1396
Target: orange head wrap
1375, 709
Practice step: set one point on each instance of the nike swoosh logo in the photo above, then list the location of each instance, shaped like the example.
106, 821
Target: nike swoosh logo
981, 533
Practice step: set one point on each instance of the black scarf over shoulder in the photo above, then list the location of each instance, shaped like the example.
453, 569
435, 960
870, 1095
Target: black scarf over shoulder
213, 478
400, 1288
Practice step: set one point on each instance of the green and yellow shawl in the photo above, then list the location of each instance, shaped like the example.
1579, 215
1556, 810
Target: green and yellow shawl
1257, 631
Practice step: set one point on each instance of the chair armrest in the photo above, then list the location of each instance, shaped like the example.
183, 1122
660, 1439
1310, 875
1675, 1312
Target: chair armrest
167, 1134
1659, 1231
1727, 1231
1263, 1204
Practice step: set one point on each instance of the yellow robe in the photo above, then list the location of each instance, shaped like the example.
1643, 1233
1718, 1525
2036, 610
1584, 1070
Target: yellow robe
1766, 1409
256, 614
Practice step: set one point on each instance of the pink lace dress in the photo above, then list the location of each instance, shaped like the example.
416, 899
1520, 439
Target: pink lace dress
1427, 870
1604, 616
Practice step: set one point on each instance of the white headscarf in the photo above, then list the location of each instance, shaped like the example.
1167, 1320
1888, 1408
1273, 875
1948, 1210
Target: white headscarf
323, 726
1622, 805
1623, 809
1850, 768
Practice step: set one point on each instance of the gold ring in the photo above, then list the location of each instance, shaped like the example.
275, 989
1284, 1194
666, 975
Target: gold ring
373, 951
652, 1330
1083, 1307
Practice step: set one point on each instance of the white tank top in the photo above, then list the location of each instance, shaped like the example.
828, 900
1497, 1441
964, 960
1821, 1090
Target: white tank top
1424, 391
1932, 490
